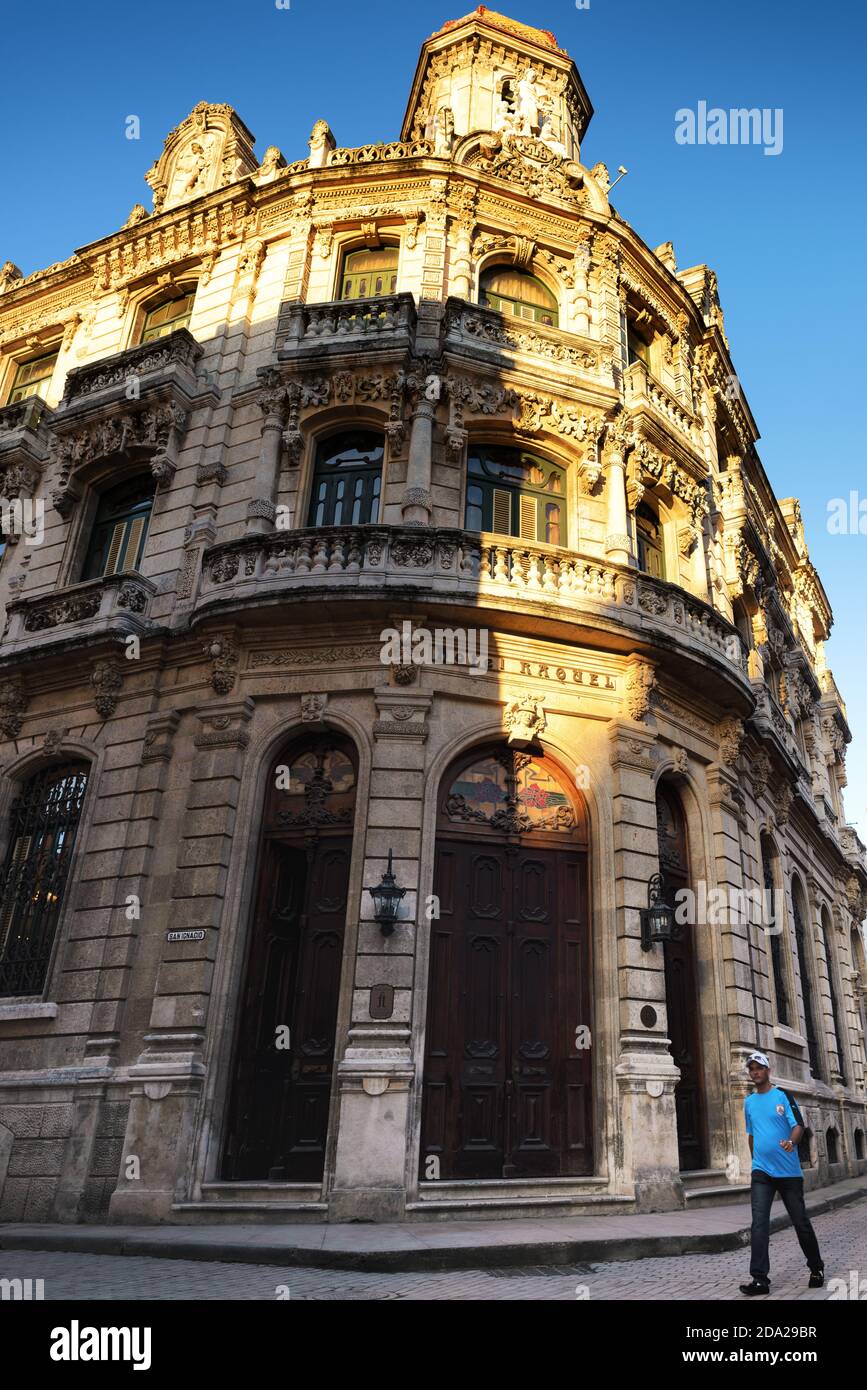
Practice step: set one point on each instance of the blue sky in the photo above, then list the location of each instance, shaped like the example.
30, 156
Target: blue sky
783, 232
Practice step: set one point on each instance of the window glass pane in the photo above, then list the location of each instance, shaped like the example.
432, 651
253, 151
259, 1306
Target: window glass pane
505, 490
349, 466
167, 318
369, 272
120, 529
519, 294
32, 378
43, 821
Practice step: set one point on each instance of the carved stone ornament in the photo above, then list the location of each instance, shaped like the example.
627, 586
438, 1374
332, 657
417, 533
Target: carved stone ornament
313, 708
106, 679
638, 689
223, 657
730, 732
53, 741
681, 761
524, 719
783, 799
13, 703
760, 772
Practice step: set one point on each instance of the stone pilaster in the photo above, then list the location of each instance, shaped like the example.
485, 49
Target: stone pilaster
168, 1076
647, 1160
376, 1072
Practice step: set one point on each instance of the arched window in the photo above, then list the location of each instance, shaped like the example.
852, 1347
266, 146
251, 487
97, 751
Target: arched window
43, 823
120, 529
648, 537
799, 914
167, 316
775, 930
368, 274
347, 480
515, 494
518, 294
33, 378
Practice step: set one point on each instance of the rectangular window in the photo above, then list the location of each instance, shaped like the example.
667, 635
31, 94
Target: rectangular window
33, 378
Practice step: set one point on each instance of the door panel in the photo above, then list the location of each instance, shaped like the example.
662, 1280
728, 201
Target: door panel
278, 1120
506, 1094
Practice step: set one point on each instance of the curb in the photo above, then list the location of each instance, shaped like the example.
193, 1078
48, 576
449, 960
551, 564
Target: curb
420, 1260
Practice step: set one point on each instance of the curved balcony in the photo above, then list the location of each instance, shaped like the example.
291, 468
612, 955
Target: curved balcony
576, 595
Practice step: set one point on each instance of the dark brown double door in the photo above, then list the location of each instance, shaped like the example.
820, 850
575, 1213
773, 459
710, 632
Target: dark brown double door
278, 1119
507, 1079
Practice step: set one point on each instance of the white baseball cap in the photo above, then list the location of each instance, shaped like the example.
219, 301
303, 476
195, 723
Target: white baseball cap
758, 1057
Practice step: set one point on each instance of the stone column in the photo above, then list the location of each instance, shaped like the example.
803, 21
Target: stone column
262, 509
376, 1072
462, 273
618, 548
646, 1159
417, 501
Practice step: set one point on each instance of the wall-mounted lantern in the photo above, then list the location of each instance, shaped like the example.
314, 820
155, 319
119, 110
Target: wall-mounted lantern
657, 919
386, 900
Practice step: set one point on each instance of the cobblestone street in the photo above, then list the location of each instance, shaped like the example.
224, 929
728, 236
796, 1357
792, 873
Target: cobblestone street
842, 1237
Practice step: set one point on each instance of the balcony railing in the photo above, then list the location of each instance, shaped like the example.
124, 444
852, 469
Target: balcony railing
491, 336
167, 360
338, 323
642, 388
115, 605
462, 567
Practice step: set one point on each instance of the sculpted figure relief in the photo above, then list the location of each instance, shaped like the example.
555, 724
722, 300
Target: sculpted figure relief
192, 168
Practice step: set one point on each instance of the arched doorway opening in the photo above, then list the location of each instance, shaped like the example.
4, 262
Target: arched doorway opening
681, 986
507, 1075
284, 1051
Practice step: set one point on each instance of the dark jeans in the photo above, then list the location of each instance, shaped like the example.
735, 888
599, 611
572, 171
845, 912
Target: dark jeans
762, 1192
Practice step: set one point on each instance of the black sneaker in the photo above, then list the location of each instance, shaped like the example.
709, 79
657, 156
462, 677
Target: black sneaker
756, 1286
817, 1277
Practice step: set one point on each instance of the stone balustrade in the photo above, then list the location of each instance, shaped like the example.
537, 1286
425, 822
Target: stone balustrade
378, 320
489, 335
459, 566
115, 605
642, 388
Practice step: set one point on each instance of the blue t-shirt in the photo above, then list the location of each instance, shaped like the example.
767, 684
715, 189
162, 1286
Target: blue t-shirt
769, 1119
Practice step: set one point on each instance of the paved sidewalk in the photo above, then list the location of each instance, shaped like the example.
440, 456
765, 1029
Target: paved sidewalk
432, 1246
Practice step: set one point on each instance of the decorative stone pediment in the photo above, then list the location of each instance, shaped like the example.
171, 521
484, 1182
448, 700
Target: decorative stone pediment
210, 149
539, 170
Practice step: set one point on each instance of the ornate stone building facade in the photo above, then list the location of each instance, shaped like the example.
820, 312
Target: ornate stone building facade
292, 431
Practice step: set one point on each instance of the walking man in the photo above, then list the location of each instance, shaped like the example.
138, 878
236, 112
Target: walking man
775, 1132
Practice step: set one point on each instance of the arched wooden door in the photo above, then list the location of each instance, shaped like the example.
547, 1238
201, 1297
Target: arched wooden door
681, 988
507, 1073
284, 1053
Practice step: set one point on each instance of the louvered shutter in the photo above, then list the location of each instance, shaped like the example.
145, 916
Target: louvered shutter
528, 518
502, 512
